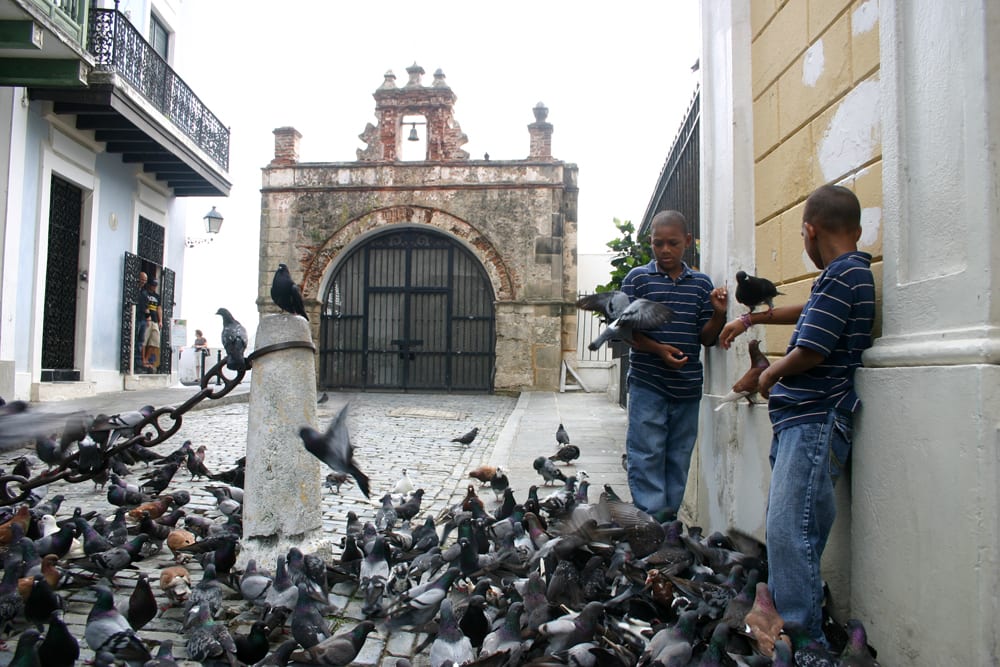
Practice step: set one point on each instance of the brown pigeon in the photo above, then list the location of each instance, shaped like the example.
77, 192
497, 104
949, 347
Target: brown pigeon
746, 386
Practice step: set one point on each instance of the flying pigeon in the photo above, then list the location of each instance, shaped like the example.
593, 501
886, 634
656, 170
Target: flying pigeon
234, 340
623, 318
285, 293
334, 448
752, 291
746, 386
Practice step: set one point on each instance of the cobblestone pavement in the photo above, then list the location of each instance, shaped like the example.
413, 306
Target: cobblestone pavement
390, 432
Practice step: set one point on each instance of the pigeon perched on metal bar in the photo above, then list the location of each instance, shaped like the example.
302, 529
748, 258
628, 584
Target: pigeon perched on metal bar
623, 318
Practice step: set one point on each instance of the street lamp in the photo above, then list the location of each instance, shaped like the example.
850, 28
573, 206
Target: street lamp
213, 223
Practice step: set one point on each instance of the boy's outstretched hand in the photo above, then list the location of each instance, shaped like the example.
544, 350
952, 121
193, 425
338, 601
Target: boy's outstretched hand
720, 299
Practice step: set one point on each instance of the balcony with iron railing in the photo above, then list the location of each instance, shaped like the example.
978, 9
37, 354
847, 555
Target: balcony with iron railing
120, 49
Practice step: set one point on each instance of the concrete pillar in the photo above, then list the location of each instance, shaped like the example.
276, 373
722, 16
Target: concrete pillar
925, 528
283, 496
286, 146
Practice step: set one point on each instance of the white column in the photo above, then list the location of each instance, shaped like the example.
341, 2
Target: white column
925, 473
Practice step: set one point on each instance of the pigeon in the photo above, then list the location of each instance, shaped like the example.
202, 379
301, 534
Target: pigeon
763, 623
164, 655
175, 582
107, 630
752, 291
335, 480
450, 646
566, 631
252, 647
208, 639
59, 648
468, 437
404, 484
548, 470
562, 437
746, 386
566, 454
141, 604
334, 448
638, 315
857, 652
307, 623
285, 293
280, 656
323, 399
234, 340
339, 650
26, 654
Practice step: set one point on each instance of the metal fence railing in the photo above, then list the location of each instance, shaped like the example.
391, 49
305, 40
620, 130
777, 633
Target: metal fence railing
589, 327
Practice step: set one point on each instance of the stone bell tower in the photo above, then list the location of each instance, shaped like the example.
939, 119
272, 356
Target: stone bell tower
435, 103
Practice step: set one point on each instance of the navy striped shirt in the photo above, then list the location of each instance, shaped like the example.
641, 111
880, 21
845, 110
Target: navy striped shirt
690, 298
837, 323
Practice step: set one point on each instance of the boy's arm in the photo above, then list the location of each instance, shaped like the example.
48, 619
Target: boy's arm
797, 361
779, 315
710, 332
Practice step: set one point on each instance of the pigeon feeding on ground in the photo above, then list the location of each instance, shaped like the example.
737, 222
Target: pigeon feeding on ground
752, 291
234, 340
468, 437
623, 316
334, 448
746, 386
548, 470
566, 454
285, 293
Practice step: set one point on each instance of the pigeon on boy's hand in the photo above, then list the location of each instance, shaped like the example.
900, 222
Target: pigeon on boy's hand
285, 293
234, 340
752, 291
334, 448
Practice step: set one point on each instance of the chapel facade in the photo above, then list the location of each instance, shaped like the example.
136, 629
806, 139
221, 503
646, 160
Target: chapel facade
441, 274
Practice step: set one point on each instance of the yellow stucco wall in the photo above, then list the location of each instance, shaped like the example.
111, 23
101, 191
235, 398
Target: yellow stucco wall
814, 69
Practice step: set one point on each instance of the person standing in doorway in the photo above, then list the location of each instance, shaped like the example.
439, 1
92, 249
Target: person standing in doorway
665, 371
151, 343
141, 318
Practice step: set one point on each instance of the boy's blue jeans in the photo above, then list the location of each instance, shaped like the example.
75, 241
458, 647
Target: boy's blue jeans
806, 461
659, 441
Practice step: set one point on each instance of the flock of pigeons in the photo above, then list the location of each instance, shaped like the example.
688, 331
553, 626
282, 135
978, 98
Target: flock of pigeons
553, 578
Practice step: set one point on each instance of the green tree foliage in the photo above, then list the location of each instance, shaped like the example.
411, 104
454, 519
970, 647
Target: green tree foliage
630, 252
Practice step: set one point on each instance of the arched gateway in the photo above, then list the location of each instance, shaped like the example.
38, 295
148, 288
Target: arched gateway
408, 308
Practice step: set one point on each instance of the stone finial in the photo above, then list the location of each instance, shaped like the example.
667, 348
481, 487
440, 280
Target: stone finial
286, 146
416, 72
540, 132
390, 81
439, 81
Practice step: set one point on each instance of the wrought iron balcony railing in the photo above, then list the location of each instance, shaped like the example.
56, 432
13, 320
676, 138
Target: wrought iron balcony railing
119, 48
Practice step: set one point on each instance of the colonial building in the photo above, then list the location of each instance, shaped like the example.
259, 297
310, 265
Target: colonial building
438, 273
101, 138
897, 101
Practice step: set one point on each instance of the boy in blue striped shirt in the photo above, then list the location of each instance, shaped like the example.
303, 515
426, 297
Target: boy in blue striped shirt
665, 371
812, 401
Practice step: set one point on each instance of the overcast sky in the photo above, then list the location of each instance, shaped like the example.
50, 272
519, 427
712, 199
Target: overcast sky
616, 78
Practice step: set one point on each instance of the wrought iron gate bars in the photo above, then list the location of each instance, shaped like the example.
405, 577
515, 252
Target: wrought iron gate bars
66, 471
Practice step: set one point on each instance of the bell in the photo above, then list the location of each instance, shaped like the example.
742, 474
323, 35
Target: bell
413, 134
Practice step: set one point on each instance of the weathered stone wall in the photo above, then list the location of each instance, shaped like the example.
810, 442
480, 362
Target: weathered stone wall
517, 217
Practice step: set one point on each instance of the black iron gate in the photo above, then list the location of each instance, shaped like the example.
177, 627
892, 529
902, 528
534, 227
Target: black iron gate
410, 309
62, 263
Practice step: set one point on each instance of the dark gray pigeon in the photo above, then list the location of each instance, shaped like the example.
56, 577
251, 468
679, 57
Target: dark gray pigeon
285, 293
548, 470
339, 650
107, 630
468, 437
752, 291
234, 340
639, 315
334, 448
562, 437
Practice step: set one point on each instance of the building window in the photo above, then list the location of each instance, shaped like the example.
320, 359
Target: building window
159, 37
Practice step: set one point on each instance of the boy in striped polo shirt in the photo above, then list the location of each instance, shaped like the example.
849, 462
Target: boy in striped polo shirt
812, 401
665, 371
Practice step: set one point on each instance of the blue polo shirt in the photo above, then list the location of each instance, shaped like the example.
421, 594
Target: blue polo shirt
690, 298
836, 322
